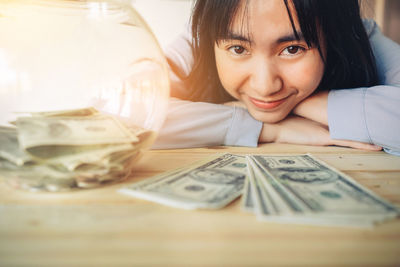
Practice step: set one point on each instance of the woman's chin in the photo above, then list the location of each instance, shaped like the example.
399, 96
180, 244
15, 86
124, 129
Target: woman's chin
268, 117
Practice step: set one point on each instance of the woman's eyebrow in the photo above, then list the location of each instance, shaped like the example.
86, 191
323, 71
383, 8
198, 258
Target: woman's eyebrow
283, 39
235, 36
290, 38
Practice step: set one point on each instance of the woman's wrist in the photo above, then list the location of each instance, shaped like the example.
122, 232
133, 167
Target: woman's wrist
269, 133
314, 107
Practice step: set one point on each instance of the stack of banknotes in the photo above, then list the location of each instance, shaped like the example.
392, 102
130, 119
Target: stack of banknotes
290, 189
64, 150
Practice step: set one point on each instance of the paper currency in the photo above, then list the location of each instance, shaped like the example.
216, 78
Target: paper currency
301, 189
10, 149
208, 184
90, 111
69, 149
33, 177
42, 131
247, 203
289, 189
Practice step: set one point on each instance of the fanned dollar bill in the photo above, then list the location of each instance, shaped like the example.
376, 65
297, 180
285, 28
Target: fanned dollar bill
247, 202
301, 189
289, 189
208, 184
69, 149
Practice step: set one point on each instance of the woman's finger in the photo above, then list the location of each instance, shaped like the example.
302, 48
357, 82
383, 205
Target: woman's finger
357, 145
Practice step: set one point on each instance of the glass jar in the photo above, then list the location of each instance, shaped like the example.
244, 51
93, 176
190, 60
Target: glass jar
63, 59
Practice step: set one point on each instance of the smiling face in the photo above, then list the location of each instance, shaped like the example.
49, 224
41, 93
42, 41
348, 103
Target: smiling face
262, 64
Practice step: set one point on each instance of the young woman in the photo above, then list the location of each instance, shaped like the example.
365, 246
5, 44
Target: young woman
303, 71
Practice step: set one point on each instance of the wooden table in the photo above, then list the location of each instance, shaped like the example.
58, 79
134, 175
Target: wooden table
101, 227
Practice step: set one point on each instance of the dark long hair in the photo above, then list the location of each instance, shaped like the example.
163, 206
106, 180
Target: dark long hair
349, 61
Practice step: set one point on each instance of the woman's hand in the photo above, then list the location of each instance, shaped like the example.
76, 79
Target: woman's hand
309, 128
298, 130
314, 107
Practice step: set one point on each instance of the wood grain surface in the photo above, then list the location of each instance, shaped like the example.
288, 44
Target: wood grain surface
101, 227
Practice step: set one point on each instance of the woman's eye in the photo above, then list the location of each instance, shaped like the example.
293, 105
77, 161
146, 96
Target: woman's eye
237, 49
292, 50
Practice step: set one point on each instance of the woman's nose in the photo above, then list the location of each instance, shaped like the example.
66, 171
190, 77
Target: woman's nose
265, 78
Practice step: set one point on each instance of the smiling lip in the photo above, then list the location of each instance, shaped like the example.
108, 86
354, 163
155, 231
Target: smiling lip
267, 105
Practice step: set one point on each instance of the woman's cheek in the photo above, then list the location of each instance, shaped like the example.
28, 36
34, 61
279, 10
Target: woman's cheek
229, 74
305, 77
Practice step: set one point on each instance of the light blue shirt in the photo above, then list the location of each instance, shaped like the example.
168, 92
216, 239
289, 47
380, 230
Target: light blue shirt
370, 115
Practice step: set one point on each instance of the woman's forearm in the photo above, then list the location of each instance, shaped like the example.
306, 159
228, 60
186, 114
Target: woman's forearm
315, 107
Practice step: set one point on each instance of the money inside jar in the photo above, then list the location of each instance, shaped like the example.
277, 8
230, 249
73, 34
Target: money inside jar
71, 149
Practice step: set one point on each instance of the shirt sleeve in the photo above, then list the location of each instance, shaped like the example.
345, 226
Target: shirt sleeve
179, 55
199, 124
371, 114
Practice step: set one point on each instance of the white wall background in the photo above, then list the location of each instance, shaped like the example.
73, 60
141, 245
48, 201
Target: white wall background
166, 18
